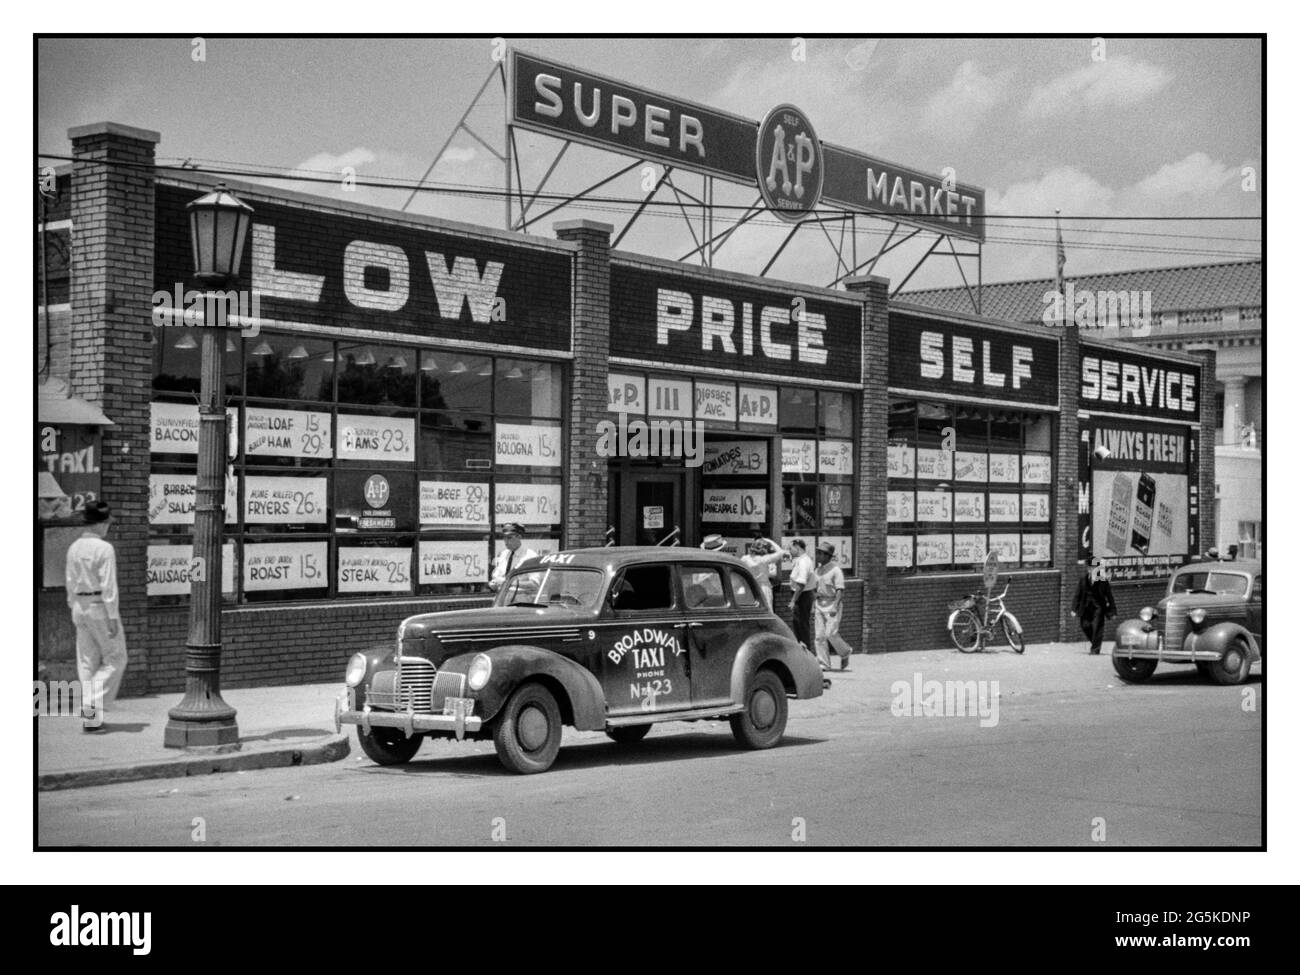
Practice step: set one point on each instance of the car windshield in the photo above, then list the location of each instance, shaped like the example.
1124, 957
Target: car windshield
552, 586
1222, 583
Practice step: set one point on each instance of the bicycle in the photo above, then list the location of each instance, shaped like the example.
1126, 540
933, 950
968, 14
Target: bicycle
969, 629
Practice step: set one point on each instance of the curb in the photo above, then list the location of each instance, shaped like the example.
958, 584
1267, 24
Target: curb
317, 752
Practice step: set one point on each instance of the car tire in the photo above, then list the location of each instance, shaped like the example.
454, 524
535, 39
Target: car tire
965, 631
1017, 640
527, 731
1234, 666
388, 746
1133, 670
628, 734
762, 723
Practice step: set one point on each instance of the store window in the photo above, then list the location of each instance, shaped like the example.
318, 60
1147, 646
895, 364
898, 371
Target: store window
965, 480
818, 463
357, 469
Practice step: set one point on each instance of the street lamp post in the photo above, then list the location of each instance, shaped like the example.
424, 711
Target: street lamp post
218, 225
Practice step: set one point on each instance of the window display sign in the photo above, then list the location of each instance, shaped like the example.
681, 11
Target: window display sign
174, 429
715, 401
1137, 513
843, 548
171, 499
934, 464
1004, 507
898, 551
798, 457
528, 445
933, 506
1036, 548
454, 504
67, 458
1036, 506
285, 500
1036, 468
902, 460
1007, 547
837, 504
835, 457
1004, 468
626, 393
969, 549
899, 507
170, 567
968, 506
287, 433
381, 438
528, 504
285, 565
758, 405
934, 550
374, 501
735, 505
452, 562
672, 397
971, 466
735, 457
374, 569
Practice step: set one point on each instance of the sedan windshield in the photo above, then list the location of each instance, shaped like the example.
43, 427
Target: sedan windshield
552, 586
1223, 583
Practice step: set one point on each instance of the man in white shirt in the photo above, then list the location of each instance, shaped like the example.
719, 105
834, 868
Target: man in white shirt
511, 556
91, 580
801, 592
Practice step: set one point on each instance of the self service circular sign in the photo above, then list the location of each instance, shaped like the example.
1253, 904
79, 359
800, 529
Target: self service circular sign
376, 490
789, 163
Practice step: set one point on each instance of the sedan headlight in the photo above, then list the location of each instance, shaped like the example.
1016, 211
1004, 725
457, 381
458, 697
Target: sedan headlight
480, 670
1146, 614
356, 671
1197, 616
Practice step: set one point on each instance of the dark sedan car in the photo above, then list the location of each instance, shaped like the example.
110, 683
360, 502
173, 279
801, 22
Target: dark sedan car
1212, 616
615, 639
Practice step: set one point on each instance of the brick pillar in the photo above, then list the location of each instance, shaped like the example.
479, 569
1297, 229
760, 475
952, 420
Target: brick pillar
1065, 533
870, 526
111, 355
588, 474
1207, 536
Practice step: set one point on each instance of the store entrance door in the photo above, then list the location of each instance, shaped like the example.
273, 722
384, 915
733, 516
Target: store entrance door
650, 510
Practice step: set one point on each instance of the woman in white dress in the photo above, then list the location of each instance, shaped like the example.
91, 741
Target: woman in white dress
763, 556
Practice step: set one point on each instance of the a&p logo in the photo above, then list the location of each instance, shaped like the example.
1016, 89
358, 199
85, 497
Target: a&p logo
789, 163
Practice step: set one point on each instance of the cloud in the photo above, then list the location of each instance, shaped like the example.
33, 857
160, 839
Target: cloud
1197, 176
957, 109
1113, 83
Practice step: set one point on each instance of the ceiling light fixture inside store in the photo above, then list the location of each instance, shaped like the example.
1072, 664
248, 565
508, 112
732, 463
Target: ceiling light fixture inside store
396, 362
186, 342
366, 358
298, 352
459, 367
428, 364
263, 348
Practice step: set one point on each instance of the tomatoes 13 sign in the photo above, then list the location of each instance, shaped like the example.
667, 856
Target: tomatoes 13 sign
789, 162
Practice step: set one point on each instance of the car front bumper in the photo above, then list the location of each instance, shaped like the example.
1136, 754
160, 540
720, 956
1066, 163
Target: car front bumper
410, 722
1131, 641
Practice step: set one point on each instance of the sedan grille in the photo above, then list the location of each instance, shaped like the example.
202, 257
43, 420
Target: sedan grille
410, 687
1175, 629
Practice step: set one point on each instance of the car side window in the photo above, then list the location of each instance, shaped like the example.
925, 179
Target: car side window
741, 591
702, 588
1257, 590
641, 588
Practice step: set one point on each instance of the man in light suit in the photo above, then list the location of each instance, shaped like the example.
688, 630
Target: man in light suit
91, 579
514, 554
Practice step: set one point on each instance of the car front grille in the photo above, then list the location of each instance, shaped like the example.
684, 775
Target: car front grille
1175, 629
416, 686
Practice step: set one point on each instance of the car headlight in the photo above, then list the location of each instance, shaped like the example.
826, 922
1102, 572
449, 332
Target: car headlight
356, 671
1146, 614
480, 669
1197, 616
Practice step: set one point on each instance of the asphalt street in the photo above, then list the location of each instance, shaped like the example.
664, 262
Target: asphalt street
1070, 757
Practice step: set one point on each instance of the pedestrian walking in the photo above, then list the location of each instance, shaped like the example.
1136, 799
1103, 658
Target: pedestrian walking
512, 555
802, 586
91, 581
1094, 603
828, 607
763, 556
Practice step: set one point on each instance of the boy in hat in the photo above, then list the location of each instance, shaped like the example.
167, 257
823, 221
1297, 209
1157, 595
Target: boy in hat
91, 580
713, 543
511, 555
827, 606
1094, 603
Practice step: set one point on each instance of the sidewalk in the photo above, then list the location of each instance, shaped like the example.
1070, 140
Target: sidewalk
278, 726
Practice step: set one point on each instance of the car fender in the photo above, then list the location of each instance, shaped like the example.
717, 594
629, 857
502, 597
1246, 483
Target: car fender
514, 664
1136, 634
1218, 636
799, 669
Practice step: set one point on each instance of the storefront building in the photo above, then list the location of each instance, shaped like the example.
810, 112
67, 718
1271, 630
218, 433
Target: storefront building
413, 384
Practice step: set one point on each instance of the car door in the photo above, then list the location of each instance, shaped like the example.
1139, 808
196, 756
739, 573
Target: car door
712, 630
644, 659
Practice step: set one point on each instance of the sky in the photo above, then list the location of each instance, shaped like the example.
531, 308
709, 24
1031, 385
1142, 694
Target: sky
1096, 127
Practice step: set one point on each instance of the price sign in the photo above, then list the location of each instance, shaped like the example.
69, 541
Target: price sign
934, 464
285, 565
1004, 468
735, 505
934, 550
898, 551
171, 499
1006, 547
374, 569
835, 457
1036, 506
454, 504
528, 445
174, 429
735, 457
901, 461
1036, 548
1004, 507
969, 549
899, 506
287, 433
387, 438
528, 504
285, 500
968, 506
798, 457
971, 466
453, 562
1036, 468
171, 569
933, 506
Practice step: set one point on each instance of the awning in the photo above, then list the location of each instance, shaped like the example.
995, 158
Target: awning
54, 405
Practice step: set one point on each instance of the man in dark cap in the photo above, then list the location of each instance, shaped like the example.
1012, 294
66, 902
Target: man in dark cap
512, 555
91, 579
1094, 603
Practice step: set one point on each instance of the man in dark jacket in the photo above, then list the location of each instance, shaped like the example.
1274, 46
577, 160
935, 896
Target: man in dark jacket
1094, 603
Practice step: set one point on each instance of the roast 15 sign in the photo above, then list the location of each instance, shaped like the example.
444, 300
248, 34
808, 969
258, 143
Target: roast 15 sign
789, 163
285, 565
1121, 381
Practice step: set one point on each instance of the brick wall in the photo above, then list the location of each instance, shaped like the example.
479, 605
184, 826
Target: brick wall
916, 617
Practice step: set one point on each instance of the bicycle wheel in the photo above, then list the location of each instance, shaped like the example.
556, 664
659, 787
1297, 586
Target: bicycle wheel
966, 631
1017, 640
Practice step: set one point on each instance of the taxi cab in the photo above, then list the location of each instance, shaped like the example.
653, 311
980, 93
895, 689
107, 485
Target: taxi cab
612, 639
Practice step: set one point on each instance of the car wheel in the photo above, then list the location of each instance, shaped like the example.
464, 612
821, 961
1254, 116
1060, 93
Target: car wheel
527, 732
1133, 670
762, 723
1234, 666
966, 631
1017, 640
388, 746
628, 734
